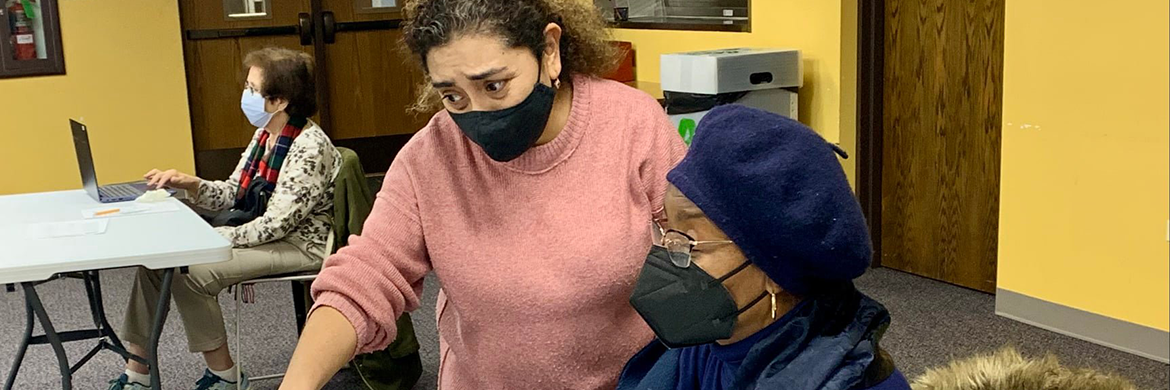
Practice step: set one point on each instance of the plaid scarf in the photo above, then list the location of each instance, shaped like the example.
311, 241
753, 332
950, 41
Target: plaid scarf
269, 169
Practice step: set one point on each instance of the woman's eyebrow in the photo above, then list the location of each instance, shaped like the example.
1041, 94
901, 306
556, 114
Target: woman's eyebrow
474, 77
486, 74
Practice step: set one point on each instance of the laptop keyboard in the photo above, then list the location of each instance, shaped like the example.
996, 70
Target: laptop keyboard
119, 191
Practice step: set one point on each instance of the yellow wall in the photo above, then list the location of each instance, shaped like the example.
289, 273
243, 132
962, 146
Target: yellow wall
124, 65
824, 31
1084, 196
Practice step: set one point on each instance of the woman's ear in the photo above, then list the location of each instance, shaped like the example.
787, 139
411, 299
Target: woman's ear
552, 50
277, 105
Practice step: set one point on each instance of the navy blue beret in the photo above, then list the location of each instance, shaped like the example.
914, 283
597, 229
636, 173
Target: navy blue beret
777, 190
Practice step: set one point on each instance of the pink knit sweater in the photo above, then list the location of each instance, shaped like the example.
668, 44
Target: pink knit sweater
536, 257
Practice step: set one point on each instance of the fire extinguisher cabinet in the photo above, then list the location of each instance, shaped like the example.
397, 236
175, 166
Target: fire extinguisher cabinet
30, 39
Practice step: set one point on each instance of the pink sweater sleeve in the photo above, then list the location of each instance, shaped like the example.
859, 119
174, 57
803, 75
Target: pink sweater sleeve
379, 275
664, 150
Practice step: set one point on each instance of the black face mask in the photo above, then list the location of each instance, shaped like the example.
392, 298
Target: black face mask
506, 134
685, 306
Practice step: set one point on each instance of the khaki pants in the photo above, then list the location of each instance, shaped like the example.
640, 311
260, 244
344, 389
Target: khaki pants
195, 293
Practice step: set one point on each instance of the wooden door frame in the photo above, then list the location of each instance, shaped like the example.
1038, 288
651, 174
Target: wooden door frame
871, 17
320, 66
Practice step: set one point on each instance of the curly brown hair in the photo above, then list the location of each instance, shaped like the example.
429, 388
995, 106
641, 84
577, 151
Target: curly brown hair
520, 23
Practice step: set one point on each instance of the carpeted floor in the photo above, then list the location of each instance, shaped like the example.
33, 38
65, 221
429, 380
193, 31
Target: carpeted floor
933, 322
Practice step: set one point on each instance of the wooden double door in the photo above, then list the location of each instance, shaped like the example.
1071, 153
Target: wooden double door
364, 81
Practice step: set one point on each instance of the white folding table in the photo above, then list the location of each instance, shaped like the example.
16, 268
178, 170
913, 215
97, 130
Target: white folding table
161, 241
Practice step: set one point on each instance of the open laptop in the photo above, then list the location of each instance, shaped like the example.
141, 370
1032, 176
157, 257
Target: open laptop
108, 193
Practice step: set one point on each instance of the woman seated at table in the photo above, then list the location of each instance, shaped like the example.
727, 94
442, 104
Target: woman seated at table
299, 163
752, 287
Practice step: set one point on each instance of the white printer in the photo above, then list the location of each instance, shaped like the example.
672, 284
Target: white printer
695, 82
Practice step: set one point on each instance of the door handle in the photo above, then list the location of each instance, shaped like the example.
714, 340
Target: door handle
329, 26
305, 28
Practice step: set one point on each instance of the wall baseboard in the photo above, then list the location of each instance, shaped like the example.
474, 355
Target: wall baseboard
1095, 328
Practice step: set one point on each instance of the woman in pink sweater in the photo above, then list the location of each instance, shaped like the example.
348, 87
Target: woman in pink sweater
530, 196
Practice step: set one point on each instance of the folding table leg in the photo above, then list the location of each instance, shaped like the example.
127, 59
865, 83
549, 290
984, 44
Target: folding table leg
160, 317
34, 300
28, 327
100, 308
95, 300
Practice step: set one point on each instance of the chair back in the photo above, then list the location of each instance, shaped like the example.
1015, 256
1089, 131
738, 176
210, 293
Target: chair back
352, 198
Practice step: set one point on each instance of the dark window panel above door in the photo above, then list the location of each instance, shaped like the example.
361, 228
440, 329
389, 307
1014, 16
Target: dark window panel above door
699, 15
232, 14
235, 10
378, 6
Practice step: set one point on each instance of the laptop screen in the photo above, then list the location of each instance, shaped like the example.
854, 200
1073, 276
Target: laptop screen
84, 158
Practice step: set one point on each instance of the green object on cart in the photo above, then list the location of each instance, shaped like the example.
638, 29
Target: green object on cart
29, 11
686, 129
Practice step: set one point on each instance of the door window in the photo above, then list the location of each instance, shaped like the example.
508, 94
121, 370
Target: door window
245, 9
376, 6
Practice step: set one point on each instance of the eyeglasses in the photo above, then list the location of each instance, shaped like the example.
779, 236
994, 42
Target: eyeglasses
679, 245
248, 87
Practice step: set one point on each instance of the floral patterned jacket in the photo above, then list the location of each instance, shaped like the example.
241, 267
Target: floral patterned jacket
301, 208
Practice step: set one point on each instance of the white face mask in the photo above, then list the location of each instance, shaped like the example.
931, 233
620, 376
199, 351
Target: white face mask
253, 106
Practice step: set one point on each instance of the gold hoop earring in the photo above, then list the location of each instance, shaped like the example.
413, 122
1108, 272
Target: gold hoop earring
773, 305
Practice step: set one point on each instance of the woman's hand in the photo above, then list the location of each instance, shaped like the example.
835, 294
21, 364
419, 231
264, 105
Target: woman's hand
172, 179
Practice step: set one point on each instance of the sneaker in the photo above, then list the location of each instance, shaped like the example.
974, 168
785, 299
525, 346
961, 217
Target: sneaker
123, 383
211, 381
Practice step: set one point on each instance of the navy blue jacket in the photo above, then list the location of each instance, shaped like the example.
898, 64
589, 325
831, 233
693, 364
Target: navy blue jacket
828, 342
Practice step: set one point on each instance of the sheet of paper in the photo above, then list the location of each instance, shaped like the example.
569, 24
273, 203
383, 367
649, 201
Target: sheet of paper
68, 229
128, 209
